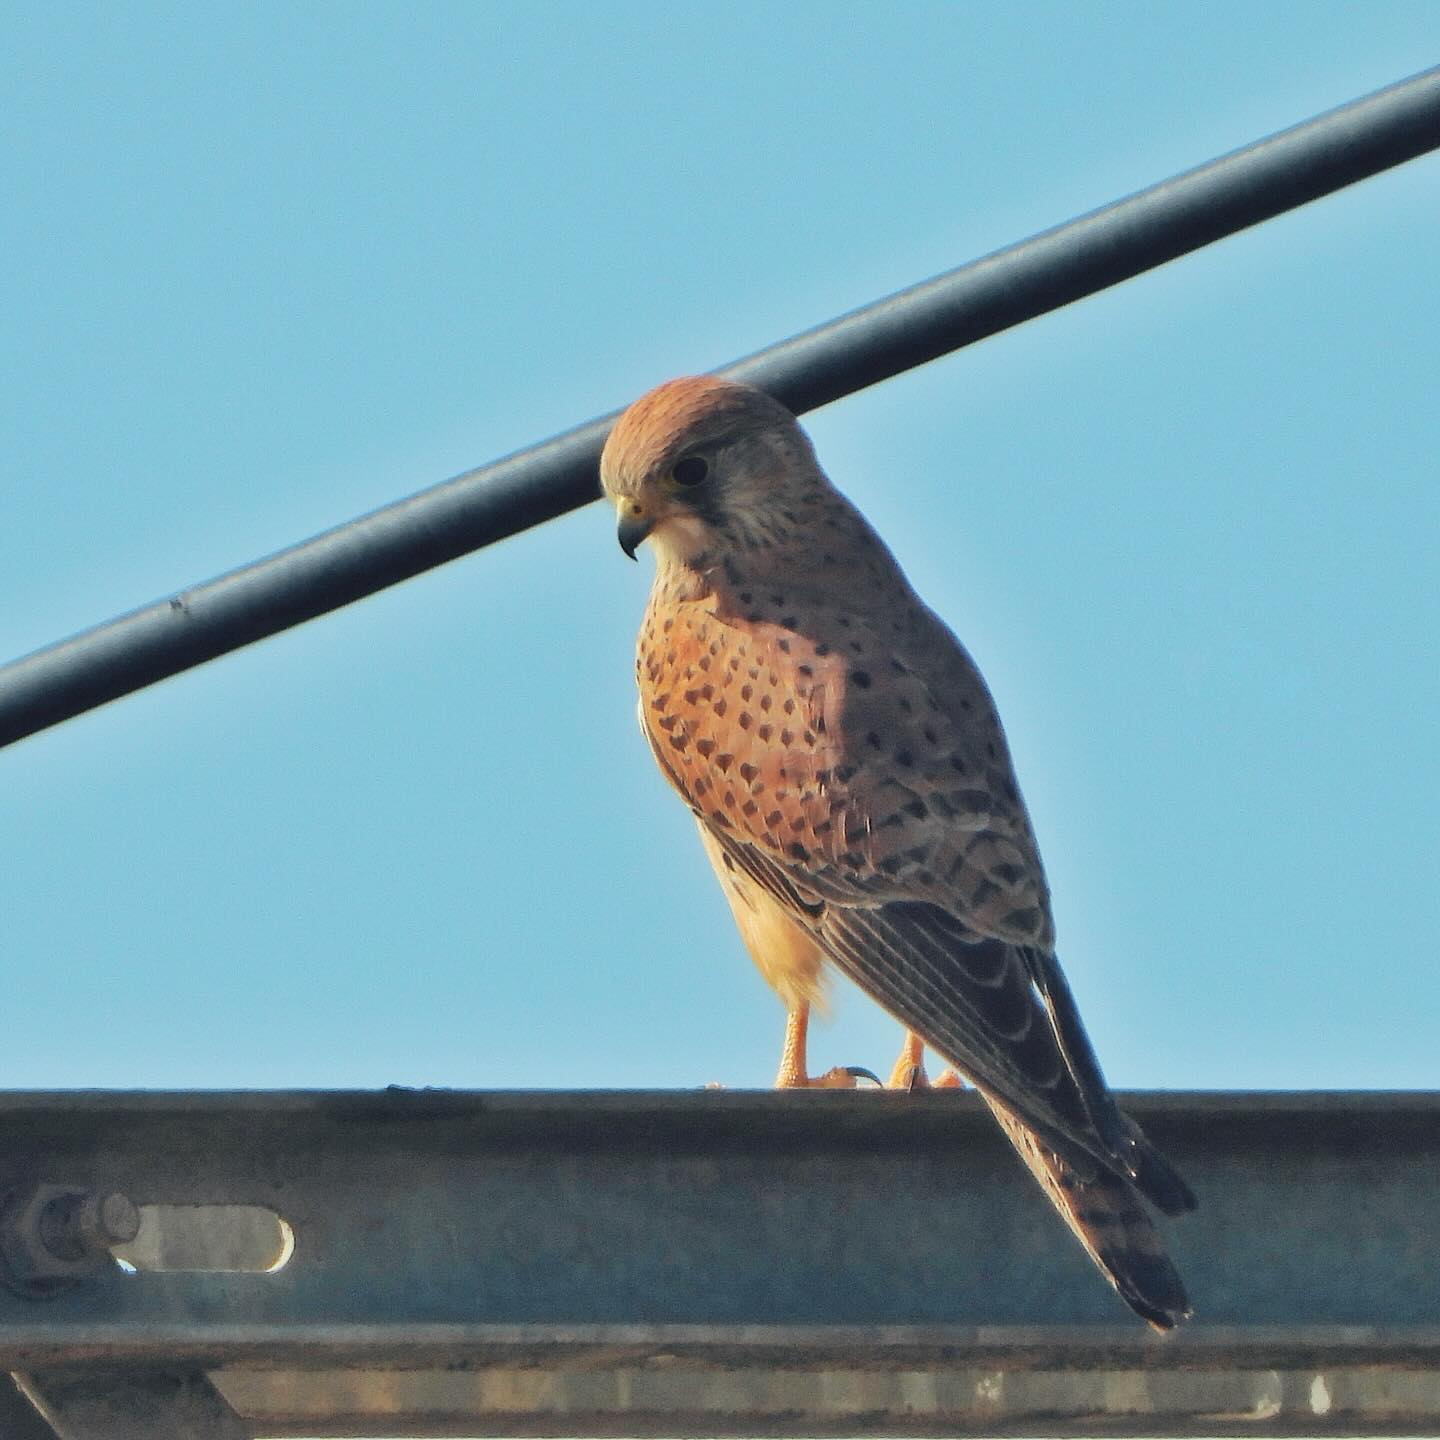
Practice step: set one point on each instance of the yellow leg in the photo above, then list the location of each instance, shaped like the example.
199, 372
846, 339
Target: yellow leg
794, 1075
909, 1070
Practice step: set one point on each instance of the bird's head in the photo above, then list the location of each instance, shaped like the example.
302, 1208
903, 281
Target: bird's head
705, 467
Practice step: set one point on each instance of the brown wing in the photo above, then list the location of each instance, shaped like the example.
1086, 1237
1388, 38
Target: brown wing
969, 997
879, 806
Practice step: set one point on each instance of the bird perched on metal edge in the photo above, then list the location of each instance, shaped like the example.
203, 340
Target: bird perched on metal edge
853, 789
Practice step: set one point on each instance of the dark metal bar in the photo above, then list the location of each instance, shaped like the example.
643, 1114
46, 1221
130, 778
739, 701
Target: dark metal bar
19, 1419
497, 500
128, 1404
731, 1263
433, 1210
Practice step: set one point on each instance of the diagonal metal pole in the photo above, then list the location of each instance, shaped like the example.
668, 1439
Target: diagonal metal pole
811, 369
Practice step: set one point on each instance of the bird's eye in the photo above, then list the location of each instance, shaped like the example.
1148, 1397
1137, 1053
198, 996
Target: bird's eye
690, 471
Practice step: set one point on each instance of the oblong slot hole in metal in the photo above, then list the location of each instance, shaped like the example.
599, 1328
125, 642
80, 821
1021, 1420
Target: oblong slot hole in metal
247, 1239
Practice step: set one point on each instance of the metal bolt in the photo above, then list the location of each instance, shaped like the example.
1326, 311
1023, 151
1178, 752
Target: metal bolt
53, 1235
84, 1226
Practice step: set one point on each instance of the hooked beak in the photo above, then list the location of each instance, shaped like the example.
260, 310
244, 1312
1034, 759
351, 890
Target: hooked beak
632, 532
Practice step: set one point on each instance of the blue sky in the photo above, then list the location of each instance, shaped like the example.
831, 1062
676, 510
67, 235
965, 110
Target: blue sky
270, 266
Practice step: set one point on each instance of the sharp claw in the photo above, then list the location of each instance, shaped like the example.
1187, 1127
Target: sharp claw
859, 1072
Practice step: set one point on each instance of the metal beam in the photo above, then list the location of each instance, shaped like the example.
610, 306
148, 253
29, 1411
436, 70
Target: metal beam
850, 1392
101, 1404
894, 334
744, 1263
19, 1419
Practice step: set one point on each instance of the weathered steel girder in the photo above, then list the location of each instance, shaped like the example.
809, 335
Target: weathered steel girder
715, 1262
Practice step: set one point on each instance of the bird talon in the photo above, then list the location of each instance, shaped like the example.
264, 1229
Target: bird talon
908, 1072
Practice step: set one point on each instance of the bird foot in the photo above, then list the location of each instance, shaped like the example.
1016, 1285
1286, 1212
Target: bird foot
795, 1073
839, 1077
913, 1077
909, 1071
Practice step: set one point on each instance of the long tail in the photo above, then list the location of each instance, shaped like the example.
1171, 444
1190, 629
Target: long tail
1109, 1220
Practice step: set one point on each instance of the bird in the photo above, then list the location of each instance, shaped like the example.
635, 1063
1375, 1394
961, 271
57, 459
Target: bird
854, 792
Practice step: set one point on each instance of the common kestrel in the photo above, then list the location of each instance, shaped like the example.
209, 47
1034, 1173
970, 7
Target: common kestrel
846, 767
